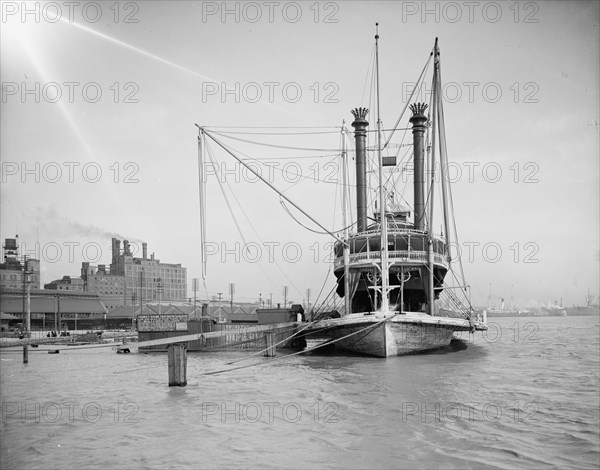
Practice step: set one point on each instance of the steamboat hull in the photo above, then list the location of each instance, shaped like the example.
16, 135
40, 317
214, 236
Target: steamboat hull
397, 336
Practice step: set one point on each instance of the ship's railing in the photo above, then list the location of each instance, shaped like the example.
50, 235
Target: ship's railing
397, 231
407, 256
451, 305
392, 231
334, 303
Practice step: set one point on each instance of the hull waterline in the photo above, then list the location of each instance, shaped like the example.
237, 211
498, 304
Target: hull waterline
396, 335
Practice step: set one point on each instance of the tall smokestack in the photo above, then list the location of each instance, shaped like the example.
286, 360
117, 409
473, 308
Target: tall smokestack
360, 125
116, 250
144, 250
419, 123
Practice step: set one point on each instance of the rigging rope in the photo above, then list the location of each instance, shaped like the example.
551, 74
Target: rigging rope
224, 147
246, 247
369, 69
269, 127
409, 99
287, 147
275, 345
277, 133
282, 202
202, 208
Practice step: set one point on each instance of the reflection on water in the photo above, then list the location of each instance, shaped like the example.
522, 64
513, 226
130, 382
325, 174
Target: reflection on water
524, 395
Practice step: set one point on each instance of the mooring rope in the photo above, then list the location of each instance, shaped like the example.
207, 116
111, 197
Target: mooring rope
276, 344
326, 343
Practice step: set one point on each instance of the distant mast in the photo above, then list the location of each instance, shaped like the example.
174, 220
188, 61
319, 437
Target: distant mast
346, 247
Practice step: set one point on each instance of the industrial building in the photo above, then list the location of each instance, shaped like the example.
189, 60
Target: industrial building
129, 280
54, 310
66, 283
146, 278
13, 268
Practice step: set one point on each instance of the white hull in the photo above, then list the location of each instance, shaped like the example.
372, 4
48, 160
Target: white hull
395, 336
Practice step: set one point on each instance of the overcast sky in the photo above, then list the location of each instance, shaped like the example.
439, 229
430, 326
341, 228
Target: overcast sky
100, 101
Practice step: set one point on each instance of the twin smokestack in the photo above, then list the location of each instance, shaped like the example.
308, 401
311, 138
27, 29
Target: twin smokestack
419, 123
116, 249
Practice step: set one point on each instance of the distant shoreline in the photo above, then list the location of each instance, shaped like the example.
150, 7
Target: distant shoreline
575, 313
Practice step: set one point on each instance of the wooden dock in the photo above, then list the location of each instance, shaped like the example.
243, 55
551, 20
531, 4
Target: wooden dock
266, 337
206, 335
221, 336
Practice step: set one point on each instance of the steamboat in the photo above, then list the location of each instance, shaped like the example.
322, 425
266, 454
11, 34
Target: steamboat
392, 270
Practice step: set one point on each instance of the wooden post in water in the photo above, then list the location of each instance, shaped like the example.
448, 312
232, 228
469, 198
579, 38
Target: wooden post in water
177, 365
25, 354
269, 344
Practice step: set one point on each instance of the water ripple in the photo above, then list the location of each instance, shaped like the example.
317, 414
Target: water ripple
513, 401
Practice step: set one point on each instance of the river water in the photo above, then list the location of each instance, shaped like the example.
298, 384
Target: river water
524, 395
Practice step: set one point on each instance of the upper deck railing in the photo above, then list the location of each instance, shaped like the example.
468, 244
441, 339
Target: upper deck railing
402, 256
396, 231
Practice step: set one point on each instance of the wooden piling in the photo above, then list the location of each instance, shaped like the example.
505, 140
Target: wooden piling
269, 344
25, 354
177, 365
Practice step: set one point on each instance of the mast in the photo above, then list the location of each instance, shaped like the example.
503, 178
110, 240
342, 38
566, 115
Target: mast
382, 218
443, 155
347, 298
202, 200
431, 293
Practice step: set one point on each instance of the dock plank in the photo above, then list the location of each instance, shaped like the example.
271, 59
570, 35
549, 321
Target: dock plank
212, 334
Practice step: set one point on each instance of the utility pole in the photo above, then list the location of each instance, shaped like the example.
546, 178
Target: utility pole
26, 297
26, 286
57, 314
195, 285
28, 306
159, 287
133, 299
220, 294
141, 290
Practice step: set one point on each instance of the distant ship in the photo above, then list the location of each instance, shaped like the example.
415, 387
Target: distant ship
507, 312
554, 309
588, 308
503, 311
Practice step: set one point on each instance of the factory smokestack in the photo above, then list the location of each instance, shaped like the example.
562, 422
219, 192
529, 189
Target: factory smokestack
360, 125
419, 123
116, 250
144, 250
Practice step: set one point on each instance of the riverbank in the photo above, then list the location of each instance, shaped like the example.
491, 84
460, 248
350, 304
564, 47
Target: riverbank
76, 336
